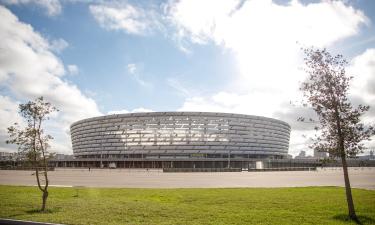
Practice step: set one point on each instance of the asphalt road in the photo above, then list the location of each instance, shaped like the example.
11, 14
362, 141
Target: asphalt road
359, 177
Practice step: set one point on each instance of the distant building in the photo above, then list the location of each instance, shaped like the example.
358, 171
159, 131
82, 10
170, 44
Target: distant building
302, 155
368, 157
319, 155
4, 156
63, 157
289, 156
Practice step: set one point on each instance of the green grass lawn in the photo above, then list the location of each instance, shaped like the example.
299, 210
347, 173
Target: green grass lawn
310, 205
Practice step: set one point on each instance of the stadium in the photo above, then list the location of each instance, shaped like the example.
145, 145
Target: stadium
179, 140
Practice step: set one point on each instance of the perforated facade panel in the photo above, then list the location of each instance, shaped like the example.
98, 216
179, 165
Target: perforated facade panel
180, 134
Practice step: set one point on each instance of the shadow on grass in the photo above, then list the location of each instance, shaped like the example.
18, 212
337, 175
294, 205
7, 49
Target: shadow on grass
76, 195
361, 219
35, 211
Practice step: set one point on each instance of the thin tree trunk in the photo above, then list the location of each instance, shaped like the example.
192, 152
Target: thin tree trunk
45, 192
35, 162
341, 147
37, 178
45, 166
348, 189
44, 198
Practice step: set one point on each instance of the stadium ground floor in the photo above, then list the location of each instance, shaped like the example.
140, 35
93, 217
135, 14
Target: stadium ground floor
244, 164
191, 163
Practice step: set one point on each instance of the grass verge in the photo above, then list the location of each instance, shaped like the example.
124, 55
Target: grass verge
310, 205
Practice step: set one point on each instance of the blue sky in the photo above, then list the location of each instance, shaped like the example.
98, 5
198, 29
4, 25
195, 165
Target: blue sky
98, 57
102, 57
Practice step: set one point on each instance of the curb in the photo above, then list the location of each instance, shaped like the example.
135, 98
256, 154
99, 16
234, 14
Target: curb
23, 222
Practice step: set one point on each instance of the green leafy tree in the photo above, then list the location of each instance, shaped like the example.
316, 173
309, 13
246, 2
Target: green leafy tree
340, 130
32, 141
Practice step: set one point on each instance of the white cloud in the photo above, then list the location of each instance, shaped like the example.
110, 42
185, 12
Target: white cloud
125, 17
73, 69
233, 102
362, 91
263, 37
141, 109
363, 67
53, 7
198, 20
290, 114
29, 69
9, 116
262, 33
133, 70
123, 111
260, 21
59, 45
176, 84
301, 141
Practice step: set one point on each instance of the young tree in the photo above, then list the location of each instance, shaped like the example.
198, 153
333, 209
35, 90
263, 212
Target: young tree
340, 129
33, 142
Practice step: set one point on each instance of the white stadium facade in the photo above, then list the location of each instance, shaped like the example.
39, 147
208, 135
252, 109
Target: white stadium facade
179, 140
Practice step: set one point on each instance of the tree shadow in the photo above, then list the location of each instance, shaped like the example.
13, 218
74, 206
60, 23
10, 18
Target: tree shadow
35, 211
76, 195
361, 219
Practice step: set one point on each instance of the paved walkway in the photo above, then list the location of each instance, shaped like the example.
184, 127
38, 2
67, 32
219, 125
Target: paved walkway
359, 177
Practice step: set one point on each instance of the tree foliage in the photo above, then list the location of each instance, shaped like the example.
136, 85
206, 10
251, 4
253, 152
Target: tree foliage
341, 131
33, 142
326, 91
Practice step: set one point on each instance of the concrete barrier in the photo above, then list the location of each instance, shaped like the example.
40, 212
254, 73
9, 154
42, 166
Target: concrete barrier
188, 170
283, 169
